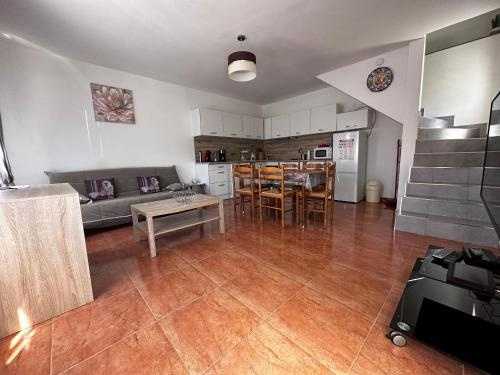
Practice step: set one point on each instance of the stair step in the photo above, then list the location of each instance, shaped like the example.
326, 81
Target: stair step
433, 123
448, 133
472, 233
451, 145
446, 191
453, 191
456, 209
482, 127
456, 175
455, 159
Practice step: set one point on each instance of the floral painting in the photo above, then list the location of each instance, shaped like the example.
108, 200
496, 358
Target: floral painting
112, 104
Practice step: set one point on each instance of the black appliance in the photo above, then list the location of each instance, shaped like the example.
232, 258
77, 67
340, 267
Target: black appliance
455, 312
222, 155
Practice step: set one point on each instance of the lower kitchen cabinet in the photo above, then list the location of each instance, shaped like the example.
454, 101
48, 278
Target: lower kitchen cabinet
217, 178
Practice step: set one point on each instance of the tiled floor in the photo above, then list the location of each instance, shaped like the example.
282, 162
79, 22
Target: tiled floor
257, 300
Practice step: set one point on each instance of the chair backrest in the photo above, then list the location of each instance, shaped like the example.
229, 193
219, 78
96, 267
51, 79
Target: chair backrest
243, 172
314, 166
331, 171
273, 174
290, 166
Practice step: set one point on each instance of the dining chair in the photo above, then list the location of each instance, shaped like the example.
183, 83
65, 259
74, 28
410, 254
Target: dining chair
309, 166
322, 194
244, 187
290, 166
277, 192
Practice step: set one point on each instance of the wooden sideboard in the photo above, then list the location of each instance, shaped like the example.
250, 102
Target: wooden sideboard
44, 269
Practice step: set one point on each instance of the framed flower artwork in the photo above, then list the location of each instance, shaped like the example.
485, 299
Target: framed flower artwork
112, 104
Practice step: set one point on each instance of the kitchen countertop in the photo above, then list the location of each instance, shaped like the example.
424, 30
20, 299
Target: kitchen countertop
261, 161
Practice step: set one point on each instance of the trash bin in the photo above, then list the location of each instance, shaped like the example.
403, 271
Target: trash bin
373, 191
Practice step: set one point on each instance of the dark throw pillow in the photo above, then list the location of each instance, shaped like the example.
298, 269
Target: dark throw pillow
148, 185
176, 186
101, 189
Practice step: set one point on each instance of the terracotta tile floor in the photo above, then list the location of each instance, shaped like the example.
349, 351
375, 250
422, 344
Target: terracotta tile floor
257, 300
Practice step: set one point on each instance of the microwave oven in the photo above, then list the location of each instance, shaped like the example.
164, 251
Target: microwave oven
322, 153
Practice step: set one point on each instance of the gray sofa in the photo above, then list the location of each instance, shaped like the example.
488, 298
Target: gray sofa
111, 212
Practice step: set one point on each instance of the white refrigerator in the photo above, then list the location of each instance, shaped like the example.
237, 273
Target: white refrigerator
349, 152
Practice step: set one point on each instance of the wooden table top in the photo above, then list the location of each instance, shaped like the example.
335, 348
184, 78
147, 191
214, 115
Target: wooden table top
36, 192
171, 206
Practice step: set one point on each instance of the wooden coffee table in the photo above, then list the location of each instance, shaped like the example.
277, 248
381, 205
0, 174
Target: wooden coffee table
168, 215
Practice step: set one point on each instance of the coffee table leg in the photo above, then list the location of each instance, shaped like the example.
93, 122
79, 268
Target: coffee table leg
151, 236
135, 222
221, 217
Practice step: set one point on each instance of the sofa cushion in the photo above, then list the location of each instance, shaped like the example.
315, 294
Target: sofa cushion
125, 178
75, 179
157, 196
118, 207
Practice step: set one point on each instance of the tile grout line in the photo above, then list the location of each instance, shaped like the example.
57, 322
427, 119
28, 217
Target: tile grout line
109, 346
369, 331
262, 320
157, 319
51, 346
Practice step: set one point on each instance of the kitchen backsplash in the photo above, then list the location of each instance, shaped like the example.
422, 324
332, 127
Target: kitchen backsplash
288, 148
275, 149
233, 146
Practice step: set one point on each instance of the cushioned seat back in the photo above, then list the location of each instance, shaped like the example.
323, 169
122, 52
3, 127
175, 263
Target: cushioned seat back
125, 178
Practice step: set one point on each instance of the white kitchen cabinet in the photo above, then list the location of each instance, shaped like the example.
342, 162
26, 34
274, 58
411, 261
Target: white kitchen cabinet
253, 127
216, 177
300, 123
268, 133
258, 128
280, 126
233, 126
248, 125
324, 119
360, 119
207, 122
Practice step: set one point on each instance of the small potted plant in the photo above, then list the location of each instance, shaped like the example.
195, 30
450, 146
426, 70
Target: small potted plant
495, 25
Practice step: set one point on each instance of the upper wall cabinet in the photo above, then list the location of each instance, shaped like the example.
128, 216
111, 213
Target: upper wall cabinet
360, 119
233, 126
253, 127
268, 132
300, 123
280, 126
258, 128
207, 122
248, 124
324, 119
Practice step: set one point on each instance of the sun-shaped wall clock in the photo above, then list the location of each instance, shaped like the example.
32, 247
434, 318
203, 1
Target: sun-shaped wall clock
379, 79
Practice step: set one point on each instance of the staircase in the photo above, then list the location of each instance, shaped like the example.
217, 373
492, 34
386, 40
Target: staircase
442, 197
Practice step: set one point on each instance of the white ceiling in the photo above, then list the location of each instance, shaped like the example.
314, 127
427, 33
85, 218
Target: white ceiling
187, 41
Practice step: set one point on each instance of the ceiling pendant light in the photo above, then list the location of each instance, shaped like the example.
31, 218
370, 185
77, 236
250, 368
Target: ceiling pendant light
242, 65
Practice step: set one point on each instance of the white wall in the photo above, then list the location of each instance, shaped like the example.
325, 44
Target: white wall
462, 81
401, 101
382, 143
48, 120
351, 79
